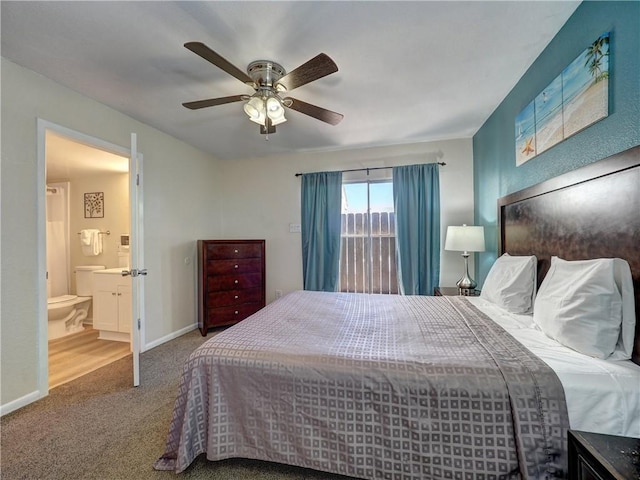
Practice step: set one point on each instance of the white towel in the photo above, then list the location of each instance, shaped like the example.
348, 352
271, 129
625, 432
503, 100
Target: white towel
85, 237
91, 242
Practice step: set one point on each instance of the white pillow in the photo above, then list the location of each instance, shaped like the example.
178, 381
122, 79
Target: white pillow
624, 282
580, 305
511, 283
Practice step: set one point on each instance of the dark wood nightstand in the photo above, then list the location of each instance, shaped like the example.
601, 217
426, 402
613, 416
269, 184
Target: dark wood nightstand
454, 291
594, 456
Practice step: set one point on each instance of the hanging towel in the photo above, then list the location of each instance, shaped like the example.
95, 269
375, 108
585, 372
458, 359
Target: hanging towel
91, 242
85, 237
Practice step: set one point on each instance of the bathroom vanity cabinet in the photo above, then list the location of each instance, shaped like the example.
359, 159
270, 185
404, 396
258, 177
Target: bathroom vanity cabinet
112, 305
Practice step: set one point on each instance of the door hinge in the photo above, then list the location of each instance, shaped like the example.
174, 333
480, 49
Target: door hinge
138, 324
138, 179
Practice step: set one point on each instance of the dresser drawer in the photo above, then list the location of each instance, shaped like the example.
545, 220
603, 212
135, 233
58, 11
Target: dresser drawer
231, 314
234, 297
220, 251
230, 267
234, 282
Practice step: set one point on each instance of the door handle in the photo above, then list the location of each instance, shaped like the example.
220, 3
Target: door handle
134, 272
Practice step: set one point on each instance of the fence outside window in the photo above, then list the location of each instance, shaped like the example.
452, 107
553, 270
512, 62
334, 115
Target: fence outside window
358, 245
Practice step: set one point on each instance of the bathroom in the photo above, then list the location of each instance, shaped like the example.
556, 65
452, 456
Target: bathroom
88, 217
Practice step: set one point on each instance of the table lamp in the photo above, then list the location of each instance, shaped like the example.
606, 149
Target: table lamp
465, 239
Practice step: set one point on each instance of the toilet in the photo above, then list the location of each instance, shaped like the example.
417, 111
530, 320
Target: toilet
67, 312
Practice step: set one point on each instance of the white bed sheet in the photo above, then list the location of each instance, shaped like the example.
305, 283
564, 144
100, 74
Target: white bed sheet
603, 396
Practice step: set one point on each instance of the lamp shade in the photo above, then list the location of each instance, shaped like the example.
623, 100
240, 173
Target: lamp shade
465, 238
254, 108
274, 107
275, 111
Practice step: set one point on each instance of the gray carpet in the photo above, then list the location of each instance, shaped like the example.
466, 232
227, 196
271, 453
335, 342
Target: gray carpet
99, 427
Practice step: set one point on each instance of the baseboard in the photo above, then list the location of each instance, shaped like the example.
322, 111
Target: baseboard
19, 403
33, 396
170, 337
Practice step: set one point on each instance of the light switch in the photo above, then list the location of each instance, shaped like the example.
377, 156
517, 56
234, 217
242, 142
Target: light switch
294, 228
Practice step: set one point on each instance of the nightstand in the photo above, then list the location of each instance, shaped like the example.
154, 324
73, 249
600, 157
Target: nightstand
594, 456
454, 291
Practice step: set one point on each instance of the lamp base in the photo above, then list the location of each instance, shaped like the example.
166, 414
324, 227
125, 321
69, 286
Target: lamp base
466, 282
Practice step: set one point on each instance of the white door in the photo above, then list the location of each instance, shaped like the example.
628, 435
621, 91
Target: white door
136, 242
137, 272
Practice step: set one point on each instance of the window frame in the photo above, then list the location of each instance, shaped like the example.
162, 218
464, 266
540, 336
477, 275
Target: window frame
368, 254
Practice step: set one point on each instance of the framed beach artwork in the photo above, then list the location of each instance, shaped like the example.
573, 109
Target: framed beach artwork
577, 98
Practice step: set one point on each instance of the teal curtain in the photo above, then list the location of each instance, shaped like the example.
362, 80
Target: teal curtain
321, 222
416, 196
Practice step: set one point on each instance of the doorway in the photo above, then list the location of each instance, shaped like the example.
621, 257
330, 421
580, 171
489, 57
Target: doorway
91, 169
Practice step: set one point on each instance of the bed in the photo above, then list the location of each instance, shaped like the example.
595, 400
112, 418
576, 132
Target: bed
386, 386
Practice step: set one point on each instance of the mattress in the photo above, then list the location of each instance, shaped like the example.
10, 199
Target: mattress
603, 396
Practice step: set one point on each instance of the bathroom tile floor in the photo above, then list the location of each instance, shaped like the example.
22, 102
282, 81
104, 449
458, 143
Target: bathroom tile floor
75, 355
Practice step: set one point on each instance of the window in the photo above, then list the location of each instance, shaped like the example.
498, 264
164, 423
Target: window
368, 243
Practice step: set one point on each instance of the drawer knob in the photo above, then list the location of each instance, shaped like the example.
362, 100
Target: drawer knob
235, 266
236, 281
235, 251
236, 297
236, 312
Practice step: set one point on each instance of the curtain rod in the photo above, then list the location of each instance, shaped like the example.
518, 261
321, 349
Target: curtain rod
365, 169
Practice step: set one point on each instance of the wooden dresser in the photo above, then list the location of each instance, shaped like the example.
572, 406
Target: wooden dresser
231, 281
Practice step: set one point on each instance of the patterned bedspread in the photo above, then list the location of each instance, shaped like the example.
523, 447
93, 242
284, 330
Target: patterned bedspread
371, 386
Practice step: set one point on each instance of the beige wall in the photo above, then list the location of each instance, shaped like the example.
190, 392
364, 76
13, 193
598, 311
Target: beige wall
261, 197
181, 203
187, 195
115, 187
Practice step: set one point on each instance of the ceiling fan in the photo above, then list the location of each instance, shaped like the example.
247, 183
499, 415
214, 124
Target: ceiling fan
269, 80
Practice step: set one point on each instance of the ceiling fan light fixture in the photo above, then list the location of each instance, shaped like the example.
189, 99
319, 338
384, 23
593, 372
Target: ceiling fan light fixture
269, 80
277, 120
260, 120
273, 106
254, 108
275, 110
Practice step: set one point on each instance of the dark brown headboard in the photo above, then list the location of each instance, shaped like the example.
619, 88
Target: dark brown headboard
592, 212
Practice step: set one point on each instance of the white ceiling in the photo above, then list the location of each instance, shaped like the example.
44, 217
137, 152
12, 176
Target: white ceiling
68, 159
408, 71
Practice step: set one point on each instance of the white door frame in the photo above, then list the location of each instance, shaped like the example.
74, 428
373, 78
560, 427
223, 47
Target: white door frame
137, 254
42, 127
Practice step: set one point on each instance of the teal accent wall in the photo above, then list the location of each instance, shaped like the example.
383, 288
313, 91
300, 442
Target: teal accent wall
495, 172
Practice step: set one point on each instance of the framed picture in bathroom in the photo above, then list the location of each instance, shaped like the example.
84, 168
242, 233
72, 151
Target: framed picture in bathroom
94, 205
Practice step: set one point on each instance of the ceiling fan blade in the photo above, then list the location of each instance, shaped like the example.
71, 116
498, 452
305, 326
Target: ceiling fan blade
314, 111
318, 67
205, 52
212, 102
